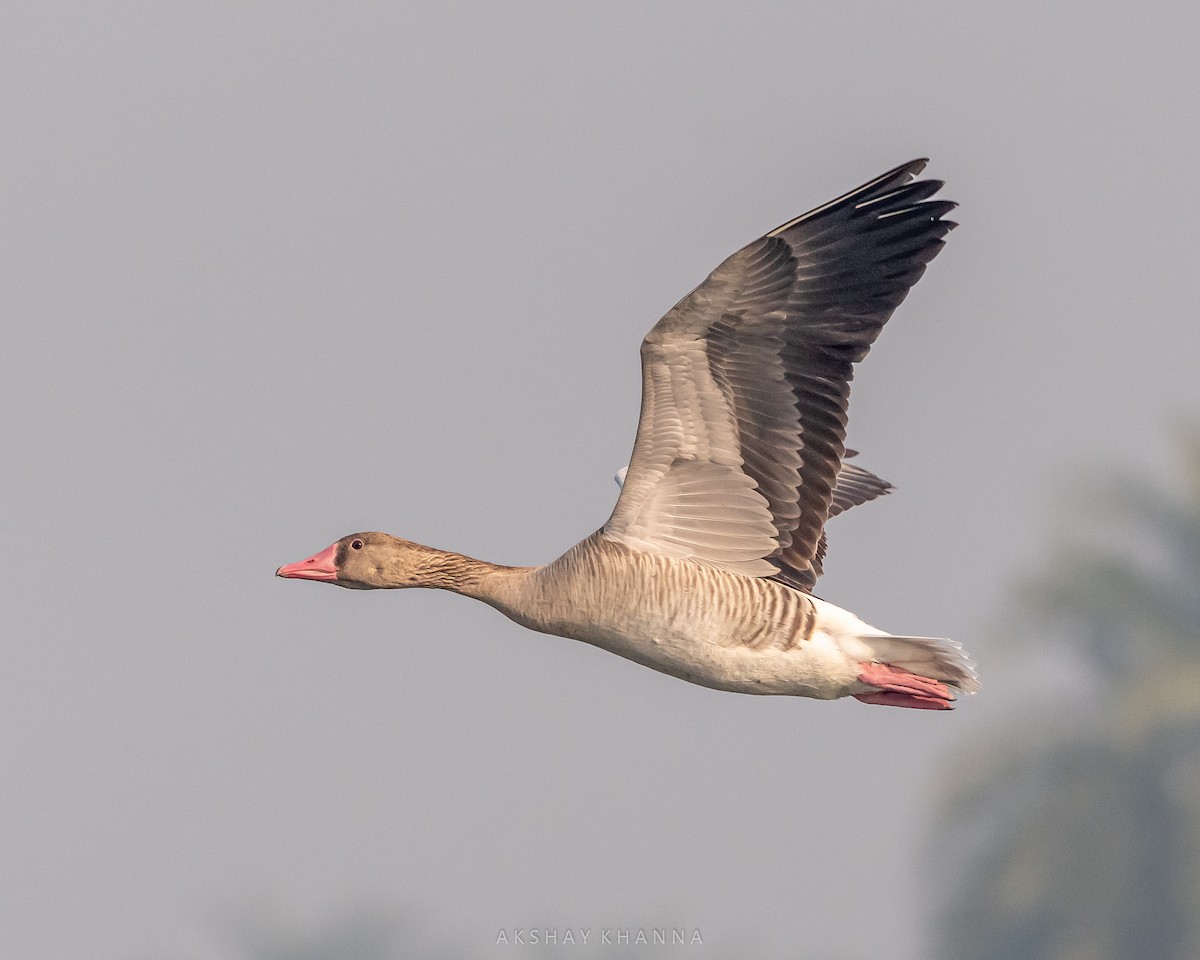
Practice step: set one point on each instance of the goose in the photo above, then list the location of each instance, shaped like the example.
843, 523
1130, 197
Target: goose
705, 570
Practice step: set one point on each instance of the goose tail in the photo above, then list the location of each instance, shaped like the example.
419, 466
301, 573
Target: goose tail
916, 672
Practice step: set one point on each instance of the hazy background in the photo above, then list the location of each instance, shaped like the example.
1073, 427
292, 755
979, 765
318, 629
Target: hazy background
273, 273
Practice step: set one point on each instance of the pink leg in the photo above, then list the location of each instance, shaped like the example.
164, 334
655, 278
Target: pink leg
903, 688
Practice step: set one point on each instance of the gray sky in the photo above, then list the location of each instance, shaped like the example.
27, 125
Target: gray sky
274, 273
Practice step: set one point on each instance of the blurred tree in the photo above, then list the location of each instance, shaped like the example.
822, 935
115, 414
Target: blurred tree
1075, 835
259, 931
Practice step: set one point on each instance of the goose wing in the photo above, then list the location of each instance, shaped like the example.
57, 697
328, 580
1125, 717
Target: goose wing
745, 382
854, 485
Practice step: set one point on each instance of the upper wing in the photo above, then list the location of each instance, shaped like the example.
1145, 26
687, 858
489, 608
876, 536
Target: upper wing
745, 382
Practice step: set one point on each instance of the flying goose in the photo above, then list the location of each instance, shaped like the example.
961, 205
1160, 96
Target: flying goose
706, 567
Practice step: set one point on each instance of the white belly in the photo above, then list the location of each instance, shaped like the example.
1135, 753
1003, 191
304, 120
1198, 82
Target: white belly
825, 665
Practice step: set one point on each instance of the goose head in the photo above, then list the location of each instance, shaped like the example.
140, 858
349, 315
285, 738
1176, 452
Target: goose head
368, 561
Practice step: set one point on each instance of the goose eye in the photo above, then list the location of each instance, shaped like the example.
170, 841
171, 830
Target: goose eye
355, 544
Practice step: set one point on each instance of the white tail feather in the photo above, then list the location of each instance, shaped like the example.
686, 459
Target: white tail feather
932, 657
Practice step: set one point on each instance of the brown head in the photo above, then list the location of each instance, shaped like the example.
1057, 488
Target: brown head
368, 561
378, 561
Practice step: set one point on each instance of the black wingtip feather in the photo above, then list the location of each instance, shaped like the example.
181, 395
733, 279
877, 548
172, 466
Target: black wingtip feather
893, 182
911, 169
